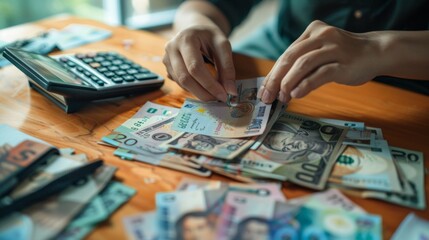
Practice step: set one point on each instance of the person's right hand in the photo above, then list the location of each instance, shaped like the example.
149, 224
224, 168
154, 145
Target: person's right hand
185, 64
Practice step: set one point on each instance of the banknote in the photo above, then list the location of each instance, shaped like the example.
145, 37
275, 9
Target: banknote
301, 149
142, 226
218, 120
52, 215
148, 114
300, 222
226, 148
276, 109
179, 217
329, 199
190, 184
412, 227
112, 197
349, 124
16, 227
245, 216
75, 35
170, 160
367, 168
411, 164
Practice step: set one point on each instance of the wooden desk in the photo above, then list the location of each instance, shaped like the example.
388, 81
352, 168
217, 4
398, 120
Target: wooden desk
403, 116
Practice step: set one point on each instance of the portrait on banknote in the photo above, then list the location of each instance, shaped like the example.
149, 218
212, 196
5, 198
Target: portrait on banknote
195, 225
291, 142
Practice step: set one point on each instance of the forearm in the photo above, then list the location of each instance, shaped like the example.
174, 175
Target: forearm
403, 54
200, 13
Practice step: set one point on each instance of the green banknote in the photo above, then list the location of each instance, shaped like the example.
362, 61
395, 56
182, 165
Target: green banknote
108, 201
225, 148
299, 149
411, 165
52, 215
369, 168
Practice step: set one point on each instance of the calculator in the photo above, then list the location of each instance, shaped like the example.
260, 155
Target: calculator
85, 76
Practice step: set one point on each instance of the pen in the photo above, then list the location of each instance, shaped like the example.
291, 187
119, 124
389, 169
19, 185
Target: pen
9, 205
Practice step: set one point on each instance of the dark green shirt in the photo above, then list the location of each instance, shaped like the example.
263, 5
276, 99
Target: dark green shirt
294, 16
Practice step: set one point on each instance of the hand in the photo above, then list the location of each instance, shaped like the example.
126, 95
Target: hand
320, 55
185, 65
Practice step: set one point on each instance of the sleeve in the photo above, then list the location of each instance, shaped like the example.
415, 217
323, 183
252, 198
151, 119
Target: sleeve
235, 10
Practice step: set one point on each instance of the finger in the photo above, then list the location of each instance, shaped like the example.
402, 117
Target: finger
195, 66
225, 65
184, 79
322, 75
304, 66
167, 64
269, 92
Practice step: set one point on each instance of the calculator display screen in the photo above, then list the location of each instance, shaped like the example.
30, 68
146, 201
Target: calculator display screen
49, 68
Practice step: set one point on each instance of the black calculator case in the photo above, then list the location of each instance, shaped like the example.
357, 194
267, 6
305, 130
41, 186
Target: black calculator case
25, 61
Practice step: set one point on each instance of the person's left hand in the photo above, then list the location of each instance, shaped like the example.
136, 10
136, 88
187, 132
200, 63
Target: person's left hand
320, 55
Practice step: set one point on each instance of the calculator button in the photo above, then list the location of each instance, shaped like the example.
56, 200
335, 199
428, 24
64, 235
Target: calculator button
109, 74
117, 62
145, 76
95, 64
105, 63
99, 59
125, 66
102, 69
110, 58
113, 68
129, 78
100, 83
80, 69
80, 55
87, 73
120, 72
143, 70
132, 71
64, 59
87, 60
117, 79
94, 78
71, 64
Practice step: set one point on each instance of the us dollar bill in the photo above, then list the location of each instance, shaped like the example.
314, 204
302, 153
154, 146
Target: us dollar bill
369, 168
299, 149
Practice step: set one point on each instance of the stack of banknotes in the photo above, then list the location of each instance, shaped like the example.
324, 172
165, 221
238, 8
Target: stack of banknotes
252, 142
217, 210
70, 214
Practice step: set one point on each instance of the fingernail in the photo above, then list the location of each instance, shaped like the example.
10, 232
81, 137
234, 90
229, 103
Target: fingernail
260, 92
232, 89
266, 96
295, 93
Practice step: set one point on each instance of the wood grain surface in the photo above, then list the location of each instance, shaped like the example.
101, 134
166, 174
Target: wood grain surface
402, 115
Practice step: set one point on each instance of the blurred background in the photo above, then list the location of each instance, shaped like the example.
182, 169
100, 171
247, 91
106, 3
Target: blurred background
152, 15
